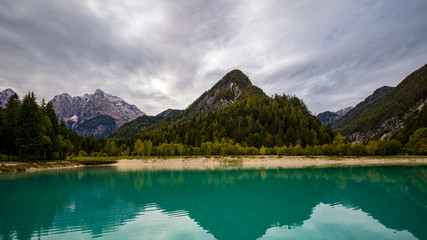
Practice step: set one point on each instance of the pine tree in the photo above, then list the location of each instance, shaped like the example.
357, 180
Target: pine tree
10, 124
29, 137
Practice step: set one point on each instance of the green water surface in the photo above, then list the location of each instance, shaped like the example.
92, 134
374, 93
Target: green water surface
104, 203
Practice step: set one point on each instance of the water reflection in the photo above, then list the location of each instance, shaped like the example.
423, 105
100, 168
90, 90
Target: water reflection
234, 204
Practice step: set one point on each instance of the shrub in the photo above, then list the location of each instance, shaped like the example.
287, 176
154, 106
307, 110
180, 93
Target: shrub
389, 147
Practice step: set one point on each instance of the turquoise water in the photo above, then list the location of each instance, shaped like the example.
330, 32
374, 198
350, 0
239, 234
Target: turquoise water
103, 203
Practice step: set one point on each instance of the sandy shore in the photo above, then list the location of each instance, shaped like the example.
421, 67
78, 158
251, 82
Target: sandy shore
259, 162
229, 162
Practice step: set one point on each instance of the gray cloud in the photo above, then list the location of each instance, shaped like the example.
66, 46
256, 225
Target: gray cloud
164, 54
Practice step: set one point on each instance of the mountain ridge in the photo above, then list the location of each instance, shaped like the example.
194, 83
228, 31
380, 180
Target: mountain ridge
328, 116
395, 113
76, 110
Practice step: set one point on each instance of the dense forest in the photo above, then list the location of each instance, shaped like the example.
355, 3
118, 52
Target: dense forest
32, 131
254, 122
257, 125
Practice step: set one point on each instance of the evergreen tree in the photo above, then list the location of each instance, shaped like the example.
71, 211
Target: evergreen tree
29, 131
10, 125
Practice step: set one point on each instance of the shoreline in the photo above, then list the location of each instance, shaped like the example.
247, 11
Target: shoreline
227, 162
261, 162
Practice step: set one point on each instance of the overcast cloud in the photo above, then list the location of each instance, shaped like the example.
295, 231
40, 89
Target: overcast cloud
164, 54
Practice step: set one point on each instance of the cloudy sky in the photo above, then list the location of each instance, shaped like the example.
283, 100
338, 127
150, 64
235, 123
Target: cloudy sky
164, 54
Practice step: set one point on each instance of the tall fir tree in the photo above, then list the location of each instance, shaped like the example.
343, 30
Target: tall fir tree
29, 131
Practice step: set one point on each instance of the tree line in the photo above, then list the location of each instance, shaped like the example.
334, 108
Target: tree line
32, 131
256, 126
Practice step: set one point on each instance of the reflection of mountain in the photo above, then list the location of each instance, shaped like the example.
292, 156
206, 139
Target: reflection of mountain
228, 207
229, 204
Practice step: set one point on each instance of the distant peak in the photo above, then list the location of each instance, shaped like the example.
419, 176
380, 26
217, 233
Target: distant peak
8, 90
99, 91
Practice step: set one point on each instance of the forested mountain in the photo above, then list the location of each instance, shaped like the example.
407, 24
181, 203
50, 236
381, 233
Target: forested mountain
254, 121
235, 111
96, 114
4, 96
233, 86
388, 113
132, 128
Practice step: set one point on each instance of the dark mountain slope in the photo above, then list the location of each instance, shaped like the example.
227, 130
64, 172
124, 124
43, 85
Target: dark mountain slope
377, 94
98, 126
169, 112
391, 112
132, 128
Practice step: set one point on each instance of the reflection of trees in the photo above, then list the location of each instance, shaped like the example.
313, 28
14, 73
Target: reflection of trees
230, 204
26, 207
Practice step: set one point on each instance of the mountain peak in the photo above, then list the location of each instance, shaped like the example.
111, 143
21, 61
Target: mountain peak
99, 91
235, 77
98, 114
8, 90
233, 86
4, 96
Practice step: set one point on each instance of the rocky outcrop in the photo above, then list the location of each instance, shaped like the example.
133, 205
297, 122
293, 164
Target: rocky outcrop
76, 111
4, 96
390, 126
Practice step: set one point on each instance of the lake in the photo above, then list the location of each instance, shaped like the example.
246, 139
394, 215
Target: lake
310, 203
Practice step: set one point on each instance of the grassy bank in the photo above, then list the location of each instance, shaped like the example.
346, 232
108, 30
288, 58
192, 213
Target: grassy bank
16, 166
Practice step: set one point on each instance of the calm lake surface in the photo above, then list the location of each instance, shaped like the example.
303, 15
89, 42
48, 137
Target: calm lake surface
328, 203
